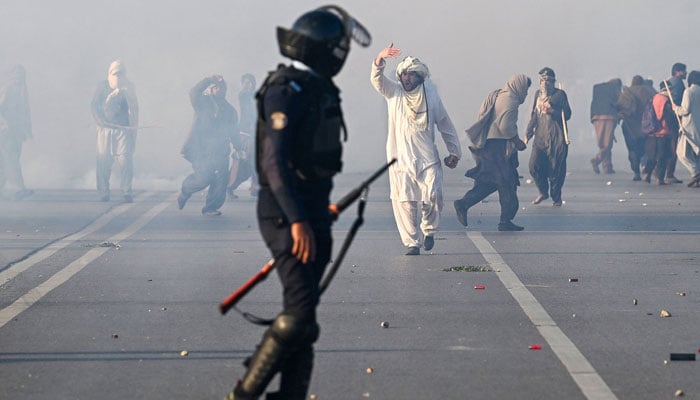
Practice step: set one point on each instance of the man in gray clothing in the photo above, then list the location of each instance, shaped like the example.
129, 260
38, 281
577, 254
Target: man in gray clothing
115, 109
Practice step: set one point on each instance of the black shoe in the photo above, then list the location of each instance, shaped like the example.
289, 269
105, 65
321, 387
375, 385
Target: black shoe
594, 164
461, 213
509, 226
182, 200
128, 198
23, 194
647, 178
637, 177
673, 179
429, 242
413, 251
557, 203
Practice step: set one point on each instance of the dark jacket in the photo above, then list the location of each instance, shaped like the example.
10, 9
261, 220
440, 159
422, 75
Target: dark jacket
605, 96
215, 125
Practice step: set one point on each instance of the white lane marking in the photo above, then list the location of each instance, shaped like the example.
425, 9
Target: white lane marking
582, 372
16, 269
35, 294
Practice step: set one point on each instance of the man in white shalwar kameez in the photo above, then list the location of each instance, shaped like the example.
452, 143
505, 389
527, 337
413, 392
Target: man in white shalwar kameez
415, 110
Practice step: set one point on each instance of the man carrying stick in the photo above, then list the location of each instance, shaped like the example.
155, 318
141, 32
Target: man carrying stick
550, 148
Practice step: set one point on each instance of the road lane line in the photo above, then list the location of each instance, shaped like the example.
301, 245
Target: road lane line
35, 294
582, 372
15, 269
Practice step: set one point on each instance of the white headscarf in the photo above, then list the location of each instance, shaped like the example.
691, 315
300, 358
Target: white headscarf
414, 104
115, 66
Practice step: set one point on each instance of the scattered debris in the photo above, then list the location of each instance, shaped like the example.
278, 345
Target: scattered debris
104, 244
115, 336
680, 293
665, 314
312, 396
528, 181
184, 353
469, 268
384, 324
370, 370
573, 279
634, 301
608, 183
535, 347
679, 393
479, 287
682, 356
163, 308
365, 394
622, 200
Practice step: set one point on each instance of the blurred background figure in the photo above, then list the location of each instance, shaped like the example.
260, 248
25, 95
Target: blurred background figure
115, 109
243, 162
207, 148
604, 117
15, 128
630, 105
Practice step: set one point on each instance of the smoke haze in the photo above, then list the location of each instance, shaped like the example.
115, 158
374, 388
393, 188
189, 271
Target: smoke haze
168, 46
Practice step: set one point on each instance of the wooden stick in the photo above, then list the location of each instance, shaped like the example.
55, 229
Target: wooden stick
563, 122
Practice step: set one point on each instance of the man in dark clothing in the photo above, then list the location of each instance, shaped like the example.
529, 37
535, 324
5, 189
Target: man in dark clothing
631, 104
496, 157
604, 119
677, 86
243, 163
207, 148
298, 151
550, 112
15, 128
660, 144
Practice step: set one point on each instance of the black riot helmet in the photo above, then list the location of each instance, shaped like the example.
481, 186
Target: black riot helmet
321, 39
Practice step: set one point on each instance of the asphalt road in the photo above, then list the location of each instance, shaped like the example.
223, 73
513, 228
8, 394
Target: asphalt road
98, 300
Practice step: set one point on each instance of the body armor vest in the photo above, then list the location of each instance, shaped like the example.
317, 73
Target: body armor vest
317, 147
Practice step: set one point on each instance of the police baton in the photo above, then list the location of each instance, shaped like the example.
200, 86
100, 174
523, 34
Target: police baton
335, 210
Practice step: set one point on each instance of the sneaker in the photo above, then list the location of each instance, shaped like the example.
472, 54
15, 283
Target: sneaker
509, 226
182, 200
128, 198
211, 213
461, 213
429, 242
413, 251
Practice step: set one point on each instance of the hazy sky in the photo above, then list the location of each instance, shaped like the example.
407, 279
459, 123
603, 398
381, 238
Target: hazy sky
167, 46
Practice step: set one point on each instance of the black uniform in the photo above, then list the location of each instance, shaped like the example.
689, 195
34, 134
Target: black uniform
298, 150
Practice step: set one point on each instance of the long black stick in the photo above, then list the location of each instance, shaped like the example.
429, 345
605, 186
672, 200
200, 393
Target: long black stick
335, 210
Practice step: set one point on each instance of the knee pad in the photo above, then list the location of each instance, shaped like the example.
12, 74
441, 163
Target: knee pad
294, 331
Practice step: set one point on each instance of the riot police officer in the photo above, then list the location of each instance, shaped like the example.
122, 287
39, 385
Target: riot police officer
298, 151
